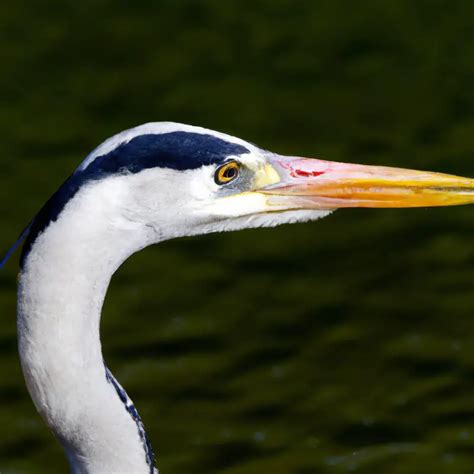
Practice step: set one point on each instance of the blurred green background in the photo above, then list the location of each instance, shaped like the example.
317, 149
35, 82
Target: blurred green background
345, 345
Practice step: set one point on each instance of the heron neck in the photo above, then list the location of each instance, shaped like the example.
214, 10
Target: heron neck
62, 288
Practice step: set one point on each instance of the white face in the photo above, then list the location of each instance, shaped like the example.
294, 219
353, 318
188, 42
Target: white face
213, 198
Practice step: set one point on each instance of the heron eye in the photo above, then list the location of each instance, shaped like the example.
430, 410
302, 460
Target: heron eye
227, 173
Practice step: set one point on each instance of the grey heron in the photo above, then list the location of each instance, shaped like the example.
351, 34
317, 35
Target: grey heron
152, 183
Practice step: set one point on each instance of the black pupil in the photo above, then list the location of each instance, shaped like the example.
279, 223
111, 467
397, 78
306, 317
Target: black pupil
230, 172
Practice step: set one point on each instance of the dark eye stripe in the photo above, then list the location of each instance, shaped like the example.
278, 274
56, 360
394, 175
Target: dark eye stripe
176, 150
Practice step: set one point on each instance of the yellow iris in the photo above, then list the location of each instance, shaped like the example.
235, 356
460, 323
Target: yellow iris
227, 172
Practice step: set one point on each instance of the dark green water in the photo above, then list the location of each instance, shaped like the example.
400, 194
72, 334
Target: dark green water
345, 345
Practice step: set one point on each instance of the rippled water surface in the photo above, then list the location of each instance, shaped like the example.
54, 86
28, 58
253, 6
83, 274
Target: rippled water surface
345, 345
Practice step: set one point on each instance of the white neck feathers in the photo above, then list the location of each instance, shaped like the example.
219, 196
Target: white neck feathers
61, 293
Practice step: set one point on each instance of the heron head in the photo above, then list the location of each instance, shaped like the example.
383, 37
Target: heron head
192, 180
172, 180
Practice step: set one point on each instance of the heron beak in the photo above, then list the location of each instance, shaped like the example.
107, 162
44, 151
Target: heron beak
305, 183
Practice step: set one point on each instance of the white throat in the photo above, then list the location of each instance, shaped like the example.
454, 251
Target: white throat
61, 292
